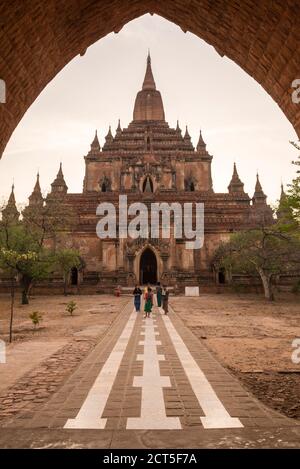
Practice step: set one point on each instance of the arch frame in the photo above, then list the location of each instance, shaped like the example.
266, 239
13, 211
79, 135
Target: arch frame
261, 37
137, 261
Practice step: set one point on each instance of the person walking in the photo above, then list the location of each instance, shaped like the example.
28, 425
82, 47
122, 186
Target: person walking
137, 292
165, 299
148, 302
158, 294
145, 291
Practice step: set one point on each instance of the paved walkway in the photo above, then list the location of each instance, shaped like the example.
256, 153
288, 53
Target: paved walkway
150, 383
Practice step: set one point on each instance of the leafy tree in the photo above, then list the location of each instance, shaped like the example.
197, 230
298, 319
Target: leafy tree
66, 259
32, 261
38, 232
264, 252
10, 260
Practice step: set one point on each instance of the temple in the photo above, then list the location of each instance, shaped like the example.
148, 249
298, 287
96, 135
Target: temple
150, 161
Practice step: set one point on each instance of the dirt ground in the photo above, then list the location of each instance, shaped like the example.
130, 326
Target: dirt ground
253, 338
94, 314
92, 310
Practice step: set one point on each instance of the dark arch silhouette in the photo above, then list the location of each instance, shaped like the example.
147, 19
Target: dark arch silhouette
244, 38
148, 267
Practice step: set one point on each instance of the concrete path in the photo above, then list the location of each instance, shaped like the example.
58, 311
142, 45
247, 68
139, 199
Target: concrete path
150, 383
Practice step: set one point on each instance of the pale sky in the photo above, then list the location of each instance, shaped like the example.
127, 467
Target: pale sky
239, 120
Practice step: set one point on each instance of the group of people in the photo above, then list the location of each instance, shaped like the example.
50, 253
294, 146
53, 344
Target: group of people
162, 296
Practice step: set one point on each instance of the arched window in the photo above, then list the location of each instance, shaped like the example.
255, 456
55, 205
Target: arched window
189, 184
148, 144
148, 184
105, 184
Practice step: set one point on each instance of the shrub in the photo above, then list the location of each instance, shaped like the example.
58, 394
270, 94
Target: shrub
71, 306
36, 318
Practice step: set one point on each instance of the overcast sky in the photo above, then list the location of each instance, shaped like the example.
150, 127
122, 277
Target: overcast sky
239, 120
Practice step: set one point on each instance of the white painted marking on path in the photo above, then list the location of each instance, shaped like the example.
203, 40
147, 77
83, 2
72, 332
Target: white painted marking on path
153, 413
216, 416
92, 409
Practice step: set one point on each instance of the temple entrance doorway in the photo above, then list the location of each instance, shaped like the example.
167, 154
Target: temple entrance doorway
74, 276
148, 267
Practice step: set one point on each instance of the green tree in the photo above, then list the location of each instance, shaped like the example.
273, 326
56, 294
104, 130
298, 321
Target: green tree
264, 252
66, 259
32, 260
38, 232
10, 261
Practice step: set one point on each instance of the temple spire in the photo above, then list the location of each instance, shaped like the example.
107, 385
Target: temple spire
119, 128
259, 196
36, 197
149, 83
12, 199
148, 104
94, 152
59, 184
284, 211
187, 135
187, 139
10, 213
36, 201
235, 185
109, 137
258, 187
95, 145
201, 145
178, 129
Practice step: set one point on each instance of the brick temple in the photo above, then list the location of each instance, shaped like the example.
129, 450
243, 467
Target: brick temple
151, 162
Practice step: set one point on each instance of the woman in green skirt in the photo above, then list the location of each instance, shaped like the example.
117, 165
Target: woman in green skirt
148, 302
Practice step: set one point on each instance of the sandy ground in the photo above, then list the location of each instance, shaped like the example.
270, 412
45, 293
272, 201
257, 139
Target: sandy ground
93, 316
253, 338
245, 332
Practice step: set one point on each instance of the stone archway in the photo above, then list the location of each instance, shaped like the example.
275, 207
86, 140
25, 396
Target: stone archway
148, 267
38, 38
